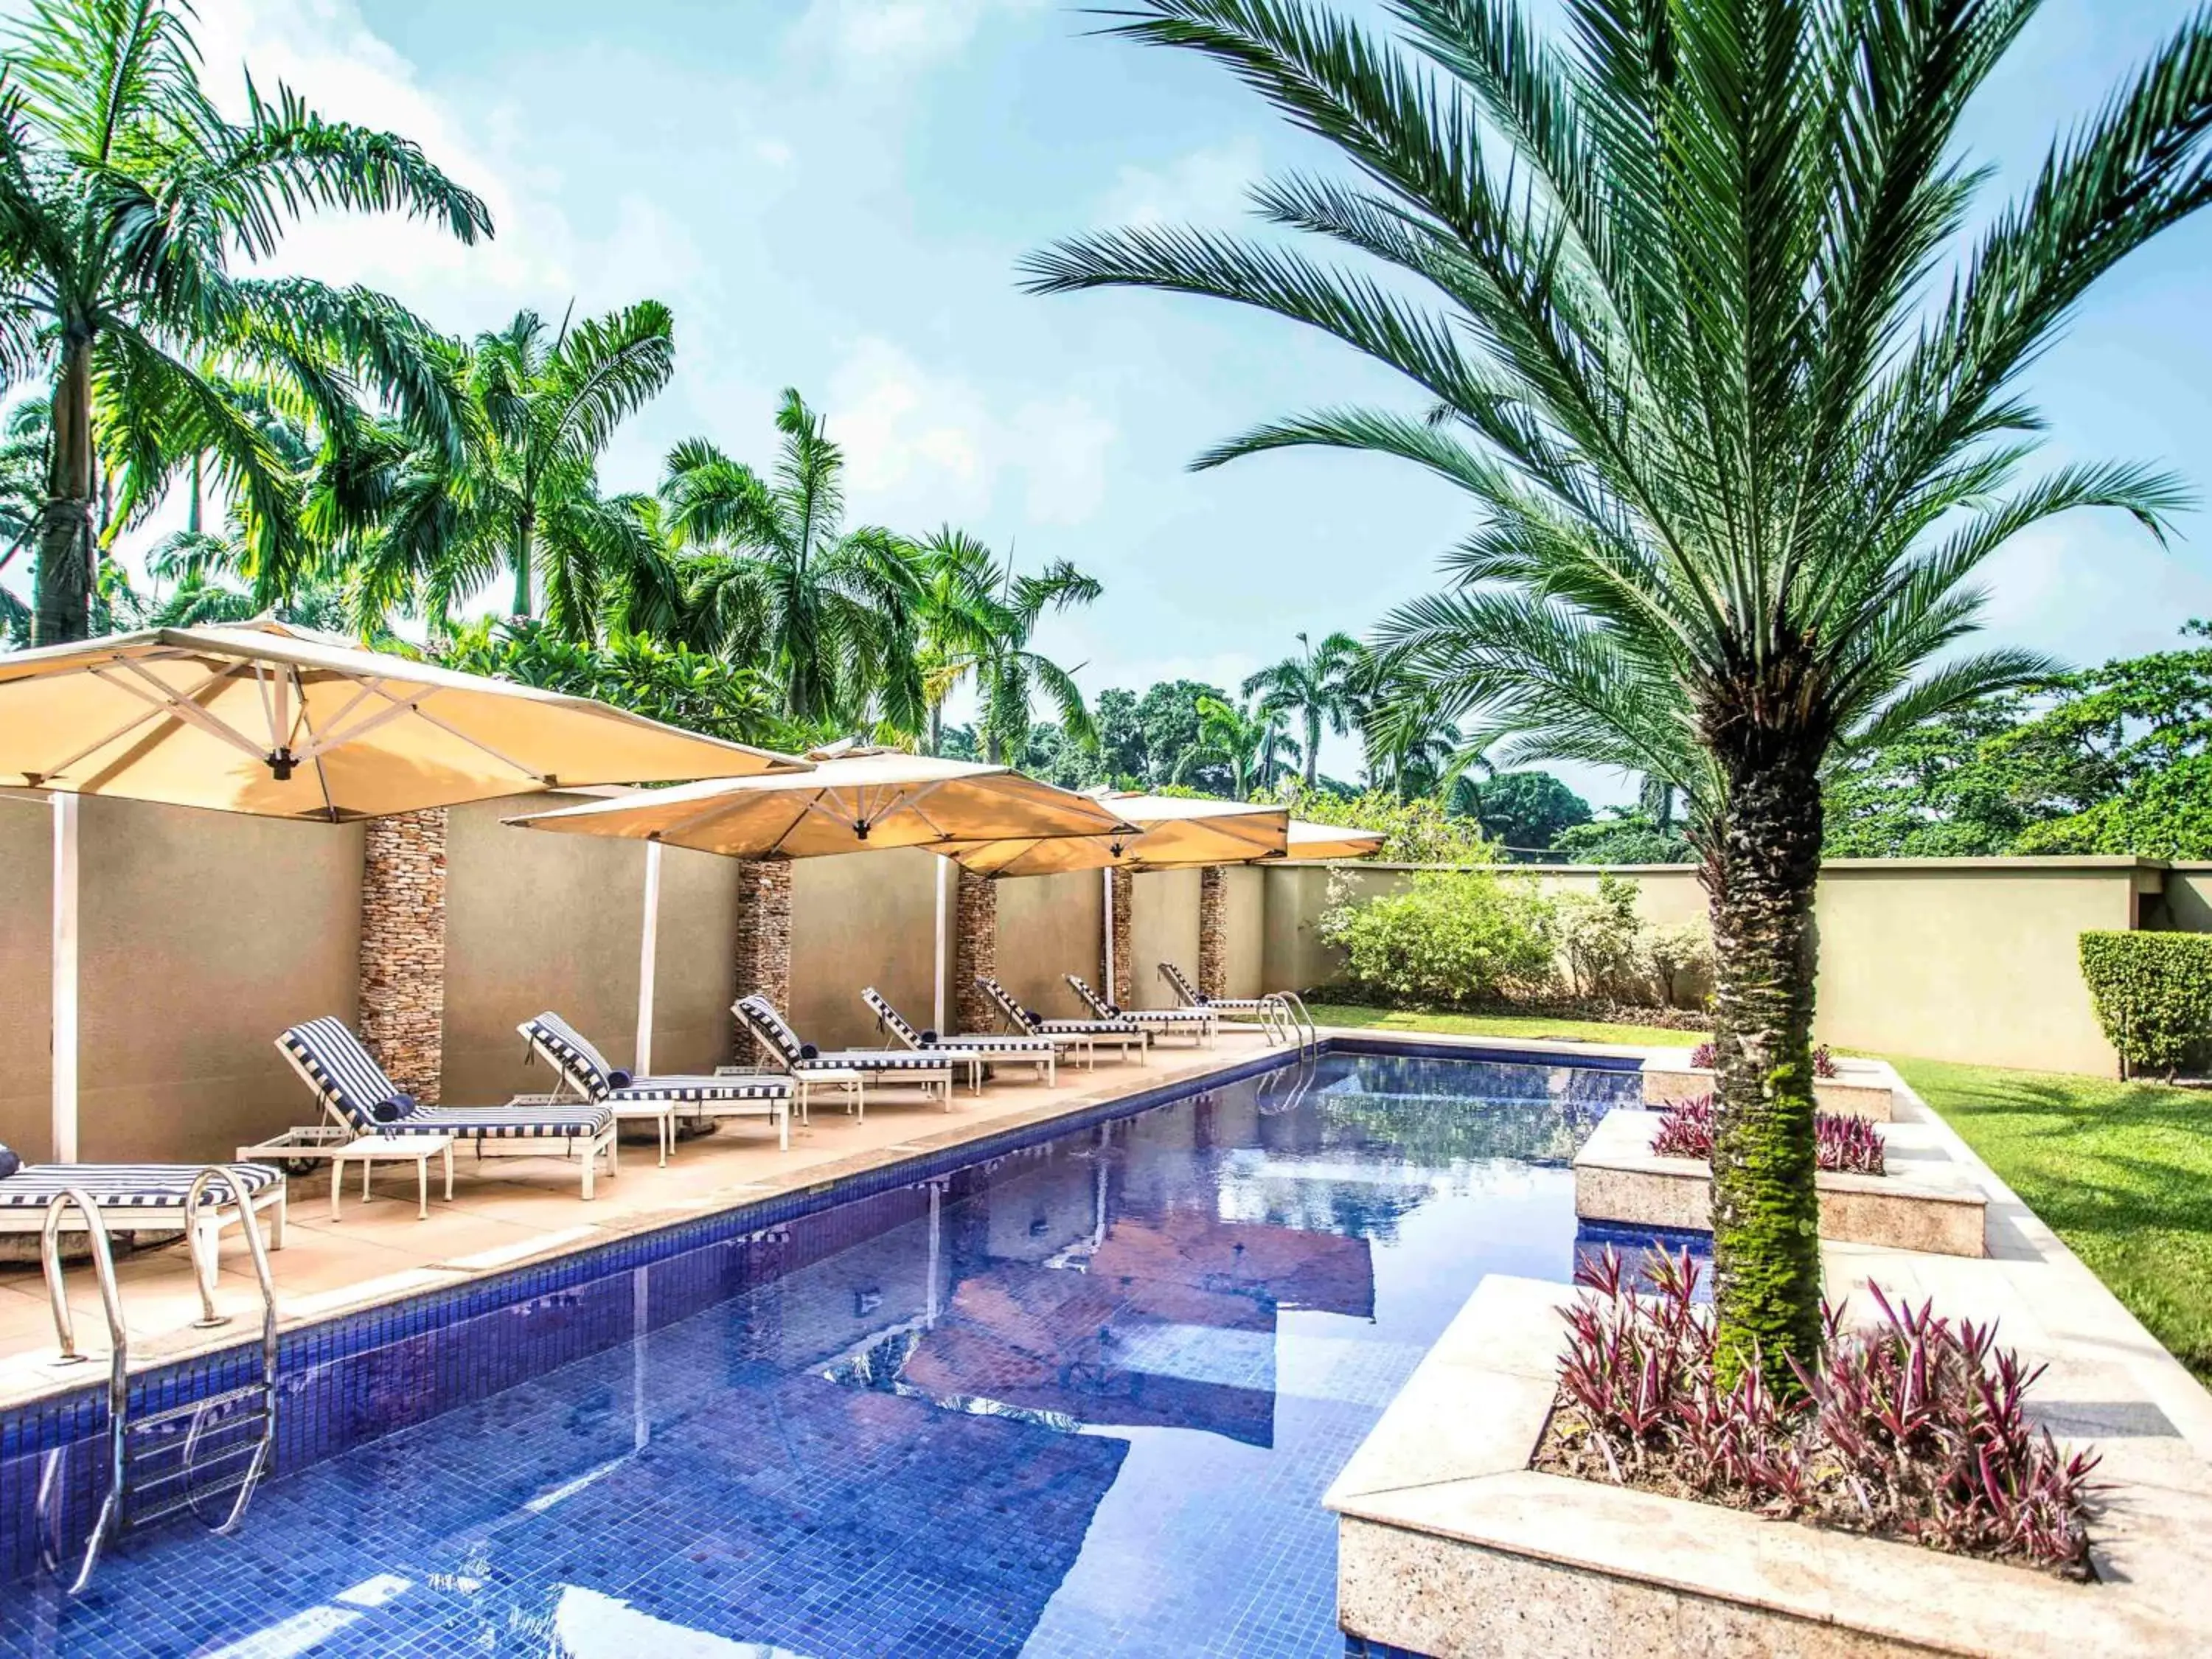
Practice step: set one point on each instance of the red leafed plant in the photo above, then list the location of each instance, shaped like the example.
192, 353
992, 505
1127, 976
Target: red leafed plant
1703, 1056
1842, 1144
1915, 1428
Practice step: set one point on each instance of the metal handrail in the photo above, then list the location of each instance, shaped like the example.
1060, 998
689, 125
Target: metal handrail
119, 1373
249, 1223
1303, 1022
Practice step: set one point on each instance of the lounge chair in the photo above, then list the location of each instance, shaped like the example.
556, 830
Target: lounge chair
584, 1069
140, 1197
1187, 995
975, 1051
359, 1096
851, 1069
1085, 1036
1197, 1023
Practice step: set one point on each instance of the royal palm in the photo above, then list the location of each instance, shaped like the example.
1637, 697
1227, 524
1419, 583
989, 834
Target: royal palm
125, 198
978, 618
1318, 685
1681, 291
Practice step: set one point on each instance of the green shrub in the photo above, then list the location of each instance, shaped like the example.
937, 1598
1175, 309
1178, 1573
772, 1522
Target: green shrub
2154, 994
1448, 937
1601, 939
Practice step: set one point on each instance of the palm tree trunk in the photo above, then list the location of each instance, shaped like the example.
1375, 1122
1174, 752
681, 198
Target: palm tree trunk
1313, 748
525, 529
64, 600
937, 728
1760, 872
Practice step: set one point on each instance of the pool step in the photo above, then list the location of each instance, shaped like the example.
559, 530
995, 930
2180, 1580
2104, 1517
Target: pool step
184, 1456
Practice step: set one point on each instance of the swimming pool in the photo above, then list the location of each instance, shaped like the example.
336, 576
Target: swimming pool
1080, 1396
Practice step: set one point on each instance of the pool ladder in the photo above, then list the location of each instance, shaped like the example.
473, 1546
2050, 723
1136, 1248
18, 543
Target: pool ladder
181, 1459
1288, 1020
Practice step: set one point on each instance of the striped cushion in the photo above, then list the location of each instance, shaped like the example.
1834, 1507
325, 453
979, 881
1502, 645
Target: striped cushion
1013, 1010
871, 1060
1096, 1003
345, 1075
760, 1017
1231, 1005
571, 1052
1178, 982
890, 1018
1084, 1028
1168, 1016
757, 1087
1000, 1045
578, 1122
129, 1186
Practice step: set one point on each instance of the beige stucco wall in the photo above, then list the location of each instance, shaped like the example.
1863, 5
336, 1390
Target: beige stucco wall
1970, 959
1243, 959
2189, 897
1163, 927
202, 936
1050, 926
859, 920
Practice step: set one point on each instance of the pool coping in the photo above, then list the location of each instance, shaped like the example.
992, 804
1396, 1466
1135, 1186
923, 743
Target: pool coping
1438, 1507
180, 1366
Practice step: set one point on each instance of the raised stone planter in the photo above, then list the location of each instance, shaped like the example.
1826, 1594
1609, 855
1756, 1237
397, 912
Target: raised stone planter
1925, 1202
1860, 1088
1449, 1546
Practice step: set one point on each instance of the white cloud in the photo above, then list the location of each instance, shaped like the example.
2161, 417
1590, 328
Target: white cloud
774, 151
924, 444
1203, 187
879, 37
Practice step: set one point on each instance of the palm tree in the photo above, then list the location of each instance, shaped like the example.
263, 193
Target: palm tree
1319, 684
1668, 287
977, 618
523, 500
771, 575
1251, 743
124, 198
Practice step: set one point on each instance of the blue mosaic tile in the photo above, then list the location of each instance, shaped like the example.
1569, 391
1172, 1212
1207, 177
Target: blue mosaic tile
1074, 1393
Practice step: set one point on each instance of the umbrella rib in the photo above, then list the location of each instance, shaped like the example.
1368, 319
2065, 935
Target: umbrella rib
547, 778
314, 756
392, 710
184, 708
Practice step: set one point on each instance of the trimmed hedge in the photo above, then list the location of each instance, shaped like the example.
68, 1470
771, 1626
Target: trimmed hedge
2154, 994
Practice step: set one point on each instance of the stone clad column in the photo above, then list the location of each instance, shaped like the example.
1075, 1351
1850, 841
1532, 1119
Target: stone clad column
1123, 888
763, 941
1214, 930
974, 951
402, 948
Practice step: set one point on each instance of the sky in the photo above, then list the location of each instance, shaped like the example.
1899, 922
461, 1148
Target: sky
832, 194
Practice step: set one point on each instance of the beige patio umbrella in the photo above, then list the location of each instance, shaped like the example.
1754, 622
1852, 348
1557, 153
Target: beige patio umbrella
1178, 833
277, 721
854, 800
1315, 842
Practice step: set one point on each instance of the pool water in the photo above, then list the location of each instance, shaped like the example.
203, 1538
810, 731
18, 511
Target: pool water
1079, 1398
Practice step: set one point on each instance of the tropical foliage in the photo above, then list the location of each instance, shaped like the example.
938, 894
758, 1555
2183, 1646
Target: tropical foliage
126, 201
1668, 286
1319, 685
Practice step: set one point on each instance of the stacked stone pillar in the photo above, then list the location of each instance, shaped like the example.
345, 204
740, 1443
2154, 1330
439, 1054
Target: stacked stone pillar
974, 951
402, 948
1214, 930
763, 941
1120, 890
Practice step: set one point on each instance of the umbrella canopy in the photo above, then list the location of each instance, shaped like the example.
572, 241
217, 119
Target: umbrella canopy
1176, 833
1332, 841
280, 722
856, 802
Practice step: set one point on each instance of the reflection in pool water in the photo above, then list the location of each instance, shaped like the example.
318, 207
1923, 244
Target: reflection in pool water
1080, 1399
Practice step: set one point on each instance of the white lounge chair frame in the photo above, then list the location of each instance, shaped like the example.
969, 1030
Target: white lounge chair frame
1082, 1036
1197, 1023
582, 1069
976, 1050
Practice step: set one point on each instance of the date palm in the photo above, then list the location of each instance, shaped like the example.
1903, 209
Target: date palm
772, 576
976, 618
1319, 684
522, 500
1679, 288
125, 198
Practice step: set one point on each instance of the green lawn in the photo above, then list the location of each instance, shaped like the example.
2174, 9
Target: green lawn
1501, 1025
2122, 1171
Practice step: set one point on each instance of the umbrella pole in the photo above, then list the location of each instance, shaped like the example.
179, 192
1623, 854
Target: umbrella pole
65, 977
1106, 921
944, 877
648, 952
